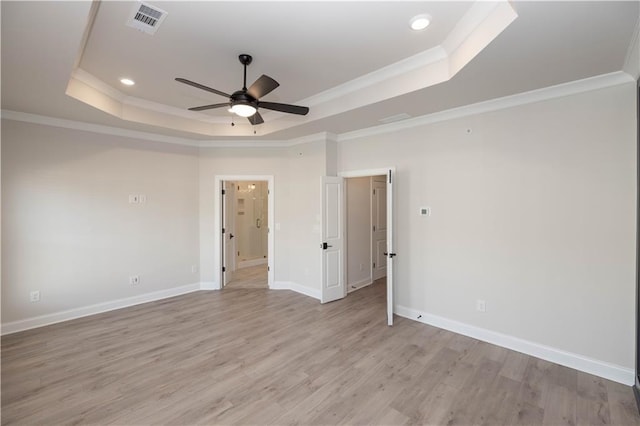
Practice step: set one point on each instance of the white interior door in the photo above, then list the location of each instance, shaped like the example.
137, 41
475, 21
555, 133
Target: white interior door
332, 246
228, 225
390, 253
379, 226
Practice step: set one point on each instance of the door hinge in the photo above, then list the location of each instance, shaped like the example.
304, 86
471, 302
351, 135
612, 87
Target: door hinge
374, 228
223, 231
389, 176
374, 264
238, 253
224, 192
374, 192
268, 268
224, 269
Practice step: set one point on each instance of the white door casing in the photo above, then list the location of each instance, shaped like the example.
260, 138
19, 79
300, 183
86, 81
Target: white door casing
390, 177
333, 279
379, 227
229, 234
390, 253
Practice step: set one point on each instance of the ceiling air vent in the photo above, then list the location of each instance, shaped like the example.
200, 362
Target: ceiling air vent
146, 18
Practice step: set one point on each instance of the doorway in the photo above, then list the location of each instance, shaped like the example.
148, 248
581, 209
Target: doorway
366, 236
245, 234
243, 231
334, 231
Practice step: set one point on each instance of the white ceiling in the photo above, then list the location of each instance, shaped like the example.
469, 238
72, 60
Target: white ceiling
310, 48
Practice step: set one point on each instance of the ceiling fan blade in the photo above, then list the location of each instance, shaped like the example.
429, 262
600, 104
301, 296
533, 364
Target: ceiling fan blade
256, 119
200, 86
291, 109
212, 106
262, 86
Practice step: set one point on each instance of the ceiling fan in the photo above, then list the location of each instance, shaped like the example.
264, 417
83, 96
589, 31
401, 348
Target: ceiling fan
246, 102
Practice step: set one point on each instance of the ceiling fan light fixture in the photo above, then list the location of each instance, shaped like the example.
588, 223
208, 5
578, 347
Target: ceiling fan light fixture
243, 110
420, 22
127, 81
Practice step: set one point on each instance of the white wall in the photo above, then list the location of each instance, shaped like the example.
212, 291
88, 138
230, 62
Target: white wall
68, 229
297, 171
533, 210
358, 232
238, 161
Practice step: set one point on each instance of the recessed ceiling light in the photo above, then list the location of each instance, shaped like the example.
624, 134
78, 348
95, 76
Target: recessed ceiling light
420, 22
127, 81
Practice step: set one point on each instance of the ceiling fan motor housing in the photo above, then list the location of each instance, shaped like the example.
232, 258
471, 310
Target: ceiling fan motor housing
243, 98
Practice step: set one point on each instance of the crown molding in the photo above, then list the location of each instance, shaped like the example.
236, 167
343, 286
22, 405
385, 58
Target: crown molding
632, 59
538, 95
155, 137
481, 23
94, 128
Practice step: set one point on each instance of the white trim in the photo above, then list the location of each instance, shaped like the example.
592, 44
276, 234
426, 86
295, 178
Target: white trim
538, 95
366, 173
469, 29
135, 134
94, 82
209, 285
94, 128
48, 319
298, 288
633, 51
252, 262
579, 362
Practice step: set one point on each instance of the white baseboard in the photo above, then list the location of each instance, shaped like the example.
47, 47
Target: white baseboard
359, 284
252, 262
596, 367
209, 285
298, 288
48, 319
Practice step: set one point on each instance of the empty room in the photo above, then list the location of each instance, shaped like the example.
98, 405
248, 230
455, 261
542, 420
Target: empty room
320, 212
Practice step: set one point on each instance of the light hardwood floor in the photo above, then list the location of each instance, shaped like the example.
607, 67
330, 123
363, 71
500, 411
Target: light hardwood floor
249, 277
250, 356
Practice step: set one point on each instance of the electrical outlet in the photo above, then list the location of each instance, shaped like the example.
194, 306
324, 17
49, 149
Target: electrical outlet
481, 306
134, 279
142, 198
34, 296
134, 199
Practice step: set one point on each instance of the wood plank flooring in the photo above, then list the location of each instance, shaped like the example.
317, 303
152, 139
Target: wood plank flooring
249, 277
252, 356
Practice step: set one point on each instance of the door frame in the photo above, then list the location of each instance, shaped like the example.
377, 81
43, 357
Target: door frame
217, 224
378, 172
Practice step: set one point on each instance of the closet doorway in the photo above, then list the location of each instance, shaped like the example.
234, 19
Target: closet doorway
366, 242
245, 238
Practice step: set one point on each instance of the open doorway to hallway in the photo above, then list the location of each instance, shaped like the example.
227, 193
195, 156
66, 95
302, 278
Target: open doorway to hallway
245, 234
366, 242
